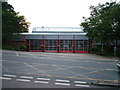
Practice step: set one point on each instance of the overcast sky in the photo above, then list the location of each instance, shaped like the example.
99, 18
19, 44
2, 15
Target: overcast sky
54, 13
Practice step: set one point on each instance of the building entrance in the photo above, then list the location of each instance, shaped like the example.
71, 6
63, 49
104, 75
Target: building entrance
66, 46
76, 46
51, 45
35, 44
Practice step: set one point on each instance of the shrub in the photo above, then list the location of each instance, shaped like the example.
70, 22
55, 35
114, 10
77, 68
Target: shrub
19, 47
7, 47
107, 50
95, 49
118, 54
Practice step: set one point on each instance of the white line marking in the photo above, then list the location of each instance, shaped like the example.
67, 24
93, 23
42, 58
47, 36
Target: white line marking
5, 78
35, 68
66, 84
62, 80
23, 80
80, 82
41, 82
110, 69
26, 77
43, 78
17, 54
82, 85
8, 75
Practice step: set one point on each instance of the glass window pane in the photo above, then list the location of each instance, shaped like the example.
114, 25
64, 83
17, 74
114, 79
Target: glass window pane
35, 44
66, 45
50, 44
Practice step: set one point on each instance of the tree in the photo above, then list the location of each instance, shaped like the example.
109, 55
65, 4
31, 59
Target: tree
103, 25
12, 23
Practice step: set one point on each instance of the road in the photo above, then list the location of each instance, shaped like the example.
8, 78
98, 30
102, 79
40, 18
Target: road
56, 70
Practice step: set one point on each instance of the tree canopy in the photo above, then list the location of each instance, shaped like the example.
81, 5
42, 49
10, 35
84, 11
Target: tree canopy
12, 22
103, 25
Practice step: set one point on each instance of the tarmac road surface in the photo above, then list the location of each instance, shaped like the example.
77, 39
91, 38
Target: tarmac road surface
56, 70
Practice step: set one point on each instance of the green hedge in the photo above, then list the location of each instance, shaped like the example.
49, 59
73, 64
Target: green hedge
19, 47
107, 50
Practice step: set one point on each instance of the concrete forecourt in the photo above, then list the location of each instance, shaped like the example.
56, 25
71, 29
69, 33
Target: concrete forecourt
57, 70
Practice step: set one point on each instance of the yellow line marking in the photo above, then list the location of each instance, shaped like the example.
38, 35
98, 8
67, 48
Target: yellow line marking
5, 68
114, 60
100, 73
56, 65
70, 77
71, 71
35, 68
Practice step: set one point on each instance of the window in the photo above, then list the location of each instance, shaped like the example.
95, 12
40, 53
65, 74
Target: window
51, 45
81, 45
66, 45
35, 44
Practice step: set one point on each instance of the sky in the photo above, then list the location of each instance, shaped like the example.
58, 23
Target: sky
54, 13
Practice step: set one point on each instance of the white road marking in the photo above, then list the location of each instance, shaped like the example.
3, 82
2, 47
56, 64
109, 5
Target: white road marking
43, 78
59, 80
23, 80
17, 54
8, 75
35, 57
5, 78
41, 82
35, 68
82, 85
66, 84
80, 82
109, 69
26, 77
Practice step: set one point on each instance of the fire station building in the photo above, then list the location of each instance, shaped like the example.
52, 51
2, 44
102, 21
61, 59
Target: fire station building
56, 39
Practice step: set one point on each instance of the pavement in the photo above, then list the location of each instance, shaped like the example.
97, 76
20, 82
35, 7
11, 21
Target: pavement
57, 70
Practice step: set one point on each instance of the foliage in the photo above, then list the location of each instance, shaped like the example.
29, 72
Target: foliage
19, 47
7, 47
107, 51
103, 25
95, 49
12, 22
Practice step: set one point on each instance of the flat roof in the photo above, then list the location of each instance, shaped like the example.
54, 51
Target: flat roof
36, 29
55, 33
